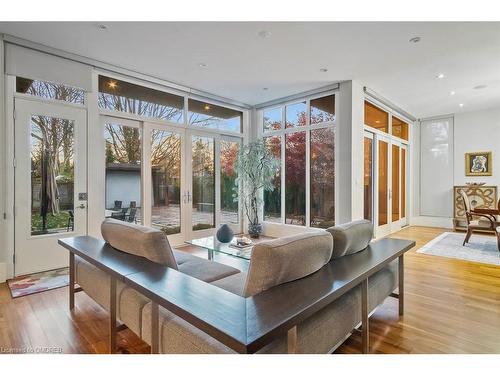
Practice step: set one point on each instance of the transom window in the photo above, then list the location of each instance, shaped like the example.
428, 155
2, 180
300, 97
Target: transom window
211, 116
305, 182
377, 118
50, 90
127, 97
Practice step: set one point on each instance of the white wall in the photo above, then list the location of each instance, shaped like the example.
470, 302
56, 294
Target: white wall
349, 147
3, 173
477, 131
473, 131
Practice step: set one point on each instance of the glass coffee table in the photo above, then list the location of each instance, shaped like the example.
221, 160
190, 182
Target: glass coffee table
212, 245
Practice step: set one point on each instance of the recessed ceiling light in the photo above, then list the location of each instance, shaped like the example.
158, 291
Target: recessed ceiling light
264, 34
202, 65
440, 76
323, 70
101, 26
479, 87
452, 93
112, 85
377, 121
461, 105
206, 107
415, 39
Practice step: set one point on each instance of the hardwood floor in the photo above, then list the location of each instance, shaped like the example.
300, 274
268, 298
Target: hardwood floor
451, 306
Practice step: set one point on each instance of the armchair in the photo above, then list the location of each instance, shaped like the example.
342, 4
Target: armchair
474, 225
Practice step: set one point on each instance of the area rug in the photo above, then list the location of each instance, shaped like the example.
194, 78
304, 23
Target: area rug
481, 249
38, 282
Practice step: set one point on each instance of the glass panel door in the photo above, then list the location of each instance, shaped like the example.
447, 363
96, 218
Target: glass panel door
382, 178
123, 170
368, 176
395, 177
50, 183
202, 195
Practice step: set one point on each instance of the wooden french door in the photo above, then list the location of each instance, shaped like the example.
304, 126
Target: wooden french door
389, 165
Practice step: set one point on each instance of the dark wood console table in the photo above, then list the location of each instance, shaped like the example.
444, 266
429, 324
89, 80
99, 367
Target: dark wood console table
243, 324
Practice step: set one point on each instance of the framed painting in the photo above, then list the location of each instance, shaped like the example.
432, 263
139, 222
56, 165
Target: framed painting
478, 163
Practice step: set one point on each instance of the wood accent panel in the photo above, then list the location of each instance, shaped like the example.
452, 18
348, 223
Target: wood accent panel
479, 196
451, 306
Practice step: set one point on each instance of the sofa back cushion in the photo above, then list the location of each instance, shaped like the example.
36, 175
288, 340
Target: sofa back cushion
351, 237
286, 259
136, 239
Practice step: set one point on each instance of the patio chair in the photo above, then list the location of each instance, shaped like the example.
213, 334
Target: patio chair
475, 225
133, 204
118, 205
71, 222
131, 216
118, 215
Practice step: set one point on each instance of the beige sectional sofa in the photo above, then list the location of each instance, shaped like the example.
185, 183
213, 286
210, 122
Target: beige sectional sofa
273, 263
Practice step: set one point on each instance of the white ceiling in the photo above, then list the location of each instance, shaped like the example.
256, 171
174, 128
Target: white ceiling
240, 63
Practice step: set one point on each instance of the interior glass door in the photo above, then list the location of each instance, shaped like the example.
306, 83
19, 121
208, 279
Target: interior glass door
368, 176
383, 175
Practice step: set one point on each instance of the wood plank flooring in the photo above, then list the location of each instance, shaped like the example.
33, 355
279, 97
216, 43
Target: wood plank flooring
451, 306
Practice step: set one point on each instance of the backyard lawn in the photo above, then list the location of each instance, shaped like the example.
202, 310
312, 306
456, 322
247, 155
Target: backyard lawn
55, 223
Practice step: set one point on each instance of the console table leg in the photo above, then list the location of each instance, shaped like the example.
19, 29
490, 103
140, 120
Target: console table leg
155, 326
291, 340
71, 281
364, 317
112, 315
401, 278
210, 255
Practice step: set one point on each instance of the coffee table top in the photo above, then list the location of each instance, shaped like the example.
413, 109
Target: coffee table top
212, 244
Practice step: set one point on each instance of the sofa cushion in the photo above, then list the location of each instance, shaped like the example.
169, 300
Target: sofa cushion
286, 259
234, 283
183, 257
206, 270
139, 240
351, 237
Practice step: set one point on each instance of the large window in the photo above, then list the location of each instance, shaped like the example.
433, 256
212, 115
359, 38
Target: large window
272, 199
123, 96
211, 116
322, 178
295, 178
308, 140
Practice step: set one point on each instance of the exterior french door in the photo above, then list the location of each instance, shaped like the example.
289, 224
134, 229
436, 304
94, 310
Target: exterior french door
50, 182
177, 180
210, 180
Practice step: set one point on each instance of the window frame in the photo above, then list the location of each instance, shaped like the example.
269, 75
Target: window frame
306, 128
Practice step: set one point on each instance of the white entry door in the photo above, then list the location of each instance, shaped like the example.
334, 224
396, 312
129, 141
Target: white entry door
50, 182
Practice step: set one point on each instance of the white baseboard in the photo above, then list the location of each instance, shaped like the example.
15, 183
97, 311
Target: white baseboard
431, 221
3, 272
